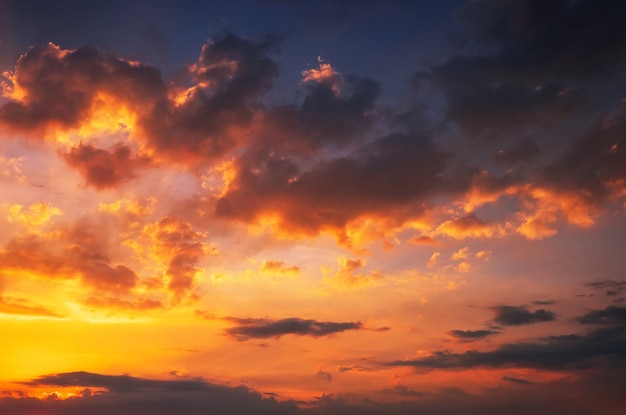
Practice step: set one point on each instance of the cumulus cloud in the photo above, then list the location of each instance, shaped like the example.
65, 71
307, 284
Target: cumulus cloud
105, 169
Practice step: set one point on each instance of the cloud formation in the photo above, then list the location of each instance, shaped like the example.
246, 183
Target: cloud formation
261, 328
519, 315
472, 334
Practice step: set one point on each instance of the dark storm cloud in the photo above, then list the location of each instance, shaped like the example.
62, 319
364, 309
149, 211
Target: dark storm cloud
393, 172
612, 315
472, 334
231, 73
522, 151
60, 86
546, 57
334, 111
102, 168
260, 328
594, 163
518, 315
598, 348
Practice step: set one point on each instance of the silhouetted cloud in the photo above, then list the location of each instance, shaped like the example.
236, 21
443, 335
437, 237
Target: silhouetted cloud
140, 396
598, 348
260, 328
516, 380
121, 383
472, 334
544, 302
609, 316
518, 315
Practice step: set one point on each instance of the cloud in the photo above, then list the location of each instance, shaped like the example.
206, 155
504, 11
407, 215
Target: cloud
105, 169
612, 315
141, 396
348, 275
260, 328
202, 122
516, 380
74, 251
593, 168
390, 174
598, 348
406, 391
24, 307
609, 285
34, 217
55, 88
324, 375
544, 302
467, 226
522, 151
518, 315
181, 247
112, 303
472, 334
120, 384
278, 267
499, 90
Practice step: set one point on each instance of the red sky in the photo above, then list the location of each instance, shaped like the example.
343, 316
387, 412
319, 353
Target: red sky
339, 207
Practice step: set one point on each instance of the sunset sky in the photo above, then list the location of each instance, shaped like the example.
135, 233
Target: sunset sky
324, 208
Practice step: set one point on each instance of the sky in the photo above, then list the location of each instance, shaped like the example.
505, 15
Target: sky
312, 208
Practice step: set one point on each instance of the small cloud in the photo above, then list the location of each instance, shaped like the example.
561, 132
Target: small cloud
261, 328
469, 335
423, 239
544, 302
462, 253
434, 259
278, 267
507, 315
516, 380
484, 255
324, 375
463, 267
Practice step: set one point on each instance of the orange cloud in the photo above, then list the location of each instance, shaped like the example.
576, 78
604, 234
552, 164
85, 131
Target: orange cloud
33, 217
278, 267
105, 169
23, 307
347, 276
469, 226
181, 248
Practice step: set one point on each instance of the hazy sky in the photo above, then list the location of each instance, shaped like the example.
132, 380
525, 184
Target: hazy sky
331, 207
